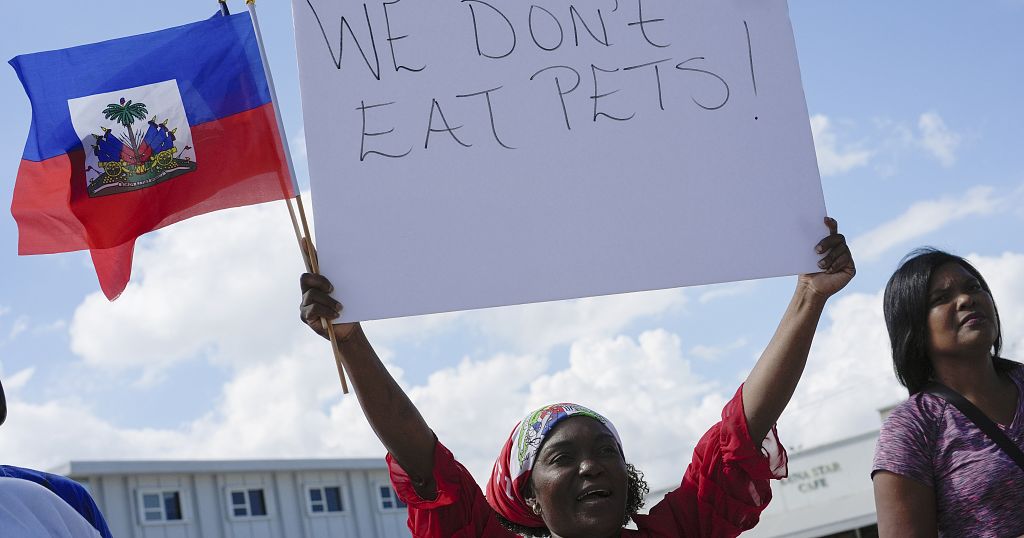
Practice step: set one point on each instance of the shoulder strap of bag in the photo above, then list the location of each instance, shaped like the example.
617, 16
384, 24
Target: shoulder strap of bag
983, 422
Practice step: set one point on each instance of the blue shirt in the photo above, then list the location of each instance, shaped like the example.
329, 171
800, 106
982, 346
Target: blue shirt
70, 492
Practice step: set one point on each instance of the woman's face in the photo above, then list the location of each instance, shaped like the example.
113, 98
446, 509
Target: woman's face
579, 480
961, 315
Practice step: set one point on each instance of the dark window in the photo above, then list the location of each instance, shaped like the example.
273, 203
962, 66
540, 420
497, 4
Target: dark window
389, 499
256, 505
325, 499
248, 503
161, 506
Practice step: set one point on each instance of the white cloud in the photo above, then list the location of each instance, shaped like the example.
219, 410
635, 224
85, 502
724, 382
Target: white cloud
536, 328
730, 289
4, 310
1002, 274
224, 285
289, 404
713, 353
834, 159
849, 375
937, 139
923, 218
18, 380
847, 378
19, 326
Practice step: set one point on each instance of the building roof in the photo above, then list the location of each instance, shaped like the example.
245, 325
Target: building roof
122, 467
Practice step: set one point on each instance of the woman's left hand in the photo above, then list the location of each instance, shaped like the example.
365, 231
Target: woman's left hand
837, 267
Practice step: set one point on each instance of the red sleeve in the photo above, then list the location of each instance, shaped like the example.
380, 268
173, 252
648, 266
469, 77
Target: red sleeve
726, 487
458, 511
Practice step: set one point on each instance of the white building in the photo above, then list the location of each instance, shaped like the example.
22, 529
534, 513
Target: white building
260, 498
828, 494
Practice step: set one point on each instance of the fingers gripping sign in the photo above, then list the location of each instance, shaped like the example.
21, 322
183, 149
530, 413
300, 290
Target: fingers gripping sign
836, 263
318, 305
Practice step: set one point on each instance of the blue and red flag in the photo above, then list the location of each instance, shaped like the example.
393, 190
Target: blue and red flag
133, 134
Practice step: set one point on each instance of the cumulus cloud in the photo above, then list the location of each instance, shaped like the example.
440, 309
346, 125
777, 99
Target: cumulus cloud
887, 143
833, 158
223, 285
290, 406
19, 326
923, 218
849, 375
536, 328
19, 379
937, 139
713, 353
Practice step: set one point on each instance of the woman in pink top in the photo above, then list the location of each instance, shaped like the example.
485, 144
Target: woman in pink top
935, 472
563, 472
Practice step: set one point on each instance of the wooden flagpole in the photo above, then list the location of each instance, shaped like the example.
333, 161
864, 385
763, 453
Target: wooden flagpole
303, 236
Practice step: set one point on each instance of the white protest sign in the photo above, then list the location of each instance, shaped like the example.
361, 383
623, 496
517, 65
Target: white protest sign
471, 153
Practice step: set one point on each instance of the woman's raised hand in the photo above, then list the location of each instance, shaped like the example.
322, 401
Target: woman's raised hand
836, 264
317, 304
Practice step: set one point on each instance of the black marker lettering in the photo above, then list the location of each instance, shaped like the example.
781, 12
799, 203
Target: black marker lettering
575, 16
709, 73
561, 32
490, 112
392, 39
476, 30
558, 86
447, 127
641, 22
657, 77
594, 69
363, 153
375, 66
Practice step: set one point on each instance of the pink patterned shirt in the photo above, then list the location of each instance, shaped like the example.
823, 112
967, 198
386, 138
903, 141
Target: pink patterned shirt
979, 490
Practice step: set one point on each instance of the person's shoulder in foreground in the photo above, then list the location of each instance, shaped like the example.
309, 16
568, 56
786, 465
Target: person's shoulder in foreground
35, 503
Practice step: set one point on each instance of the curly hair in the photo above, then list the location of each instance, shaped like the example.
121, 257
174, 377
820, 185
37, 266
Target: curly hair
636, 491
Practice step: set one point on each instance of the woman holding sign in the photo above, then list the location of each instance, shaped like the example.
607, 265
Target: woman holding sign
563, 471
945, 459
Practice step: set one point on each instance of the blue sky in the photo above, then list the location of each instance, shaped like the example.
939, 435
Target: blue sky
918, 125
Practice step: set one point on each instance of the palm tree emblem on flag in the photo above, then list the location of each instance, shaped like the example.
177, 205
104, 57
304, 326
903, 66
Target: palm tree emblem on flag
131, 160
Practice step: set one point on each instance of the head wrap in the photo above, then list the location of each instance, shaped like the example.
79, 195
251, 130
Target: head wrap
512, 469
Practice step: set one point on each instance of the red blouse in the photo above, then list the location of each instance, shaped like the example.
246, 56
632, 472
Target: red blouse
722, 493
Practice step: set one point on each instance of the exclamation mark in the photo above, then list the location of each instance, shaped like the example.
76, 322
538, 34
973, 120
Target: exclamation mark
750, 55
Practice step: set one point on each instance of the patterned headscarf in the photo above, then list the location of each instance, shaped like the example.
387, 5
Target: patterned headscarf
515, 463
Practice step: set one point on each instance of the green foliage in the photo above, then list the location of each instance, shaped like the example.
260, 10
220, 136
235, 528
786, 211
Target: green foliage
125, 113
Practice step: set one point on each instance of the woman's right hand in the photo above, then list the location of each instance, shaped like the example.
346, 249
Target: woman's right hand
317, 305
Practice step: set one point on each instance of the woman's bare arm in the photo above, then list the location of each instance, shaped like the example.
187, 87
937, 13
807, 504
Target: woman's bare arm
773, 379
390, 412
905, 507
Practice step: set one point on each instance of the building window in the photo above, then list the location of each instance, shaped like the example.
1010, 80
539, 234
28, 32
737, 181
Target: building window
157, 506
247, 502
389, 499
325, 499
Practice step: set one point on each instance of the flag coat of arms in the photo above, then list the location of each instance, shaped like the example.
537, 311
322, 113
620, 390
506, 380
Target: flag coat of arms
137, 133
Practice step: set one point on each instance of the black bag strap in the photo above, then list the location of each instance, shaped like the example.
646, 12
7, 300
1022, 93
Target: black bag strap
986, 425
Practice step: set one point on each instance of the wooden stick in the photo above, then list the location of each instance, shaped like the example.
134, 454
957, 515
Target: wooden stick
303, 236
327, 324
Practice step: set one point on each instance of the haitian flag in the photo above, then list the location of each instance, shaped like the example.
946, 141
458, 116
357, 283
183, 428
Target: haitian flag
133, 134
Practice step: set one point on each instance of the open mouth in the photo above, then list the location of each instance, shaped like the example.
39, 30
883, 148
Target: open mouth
594, 494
